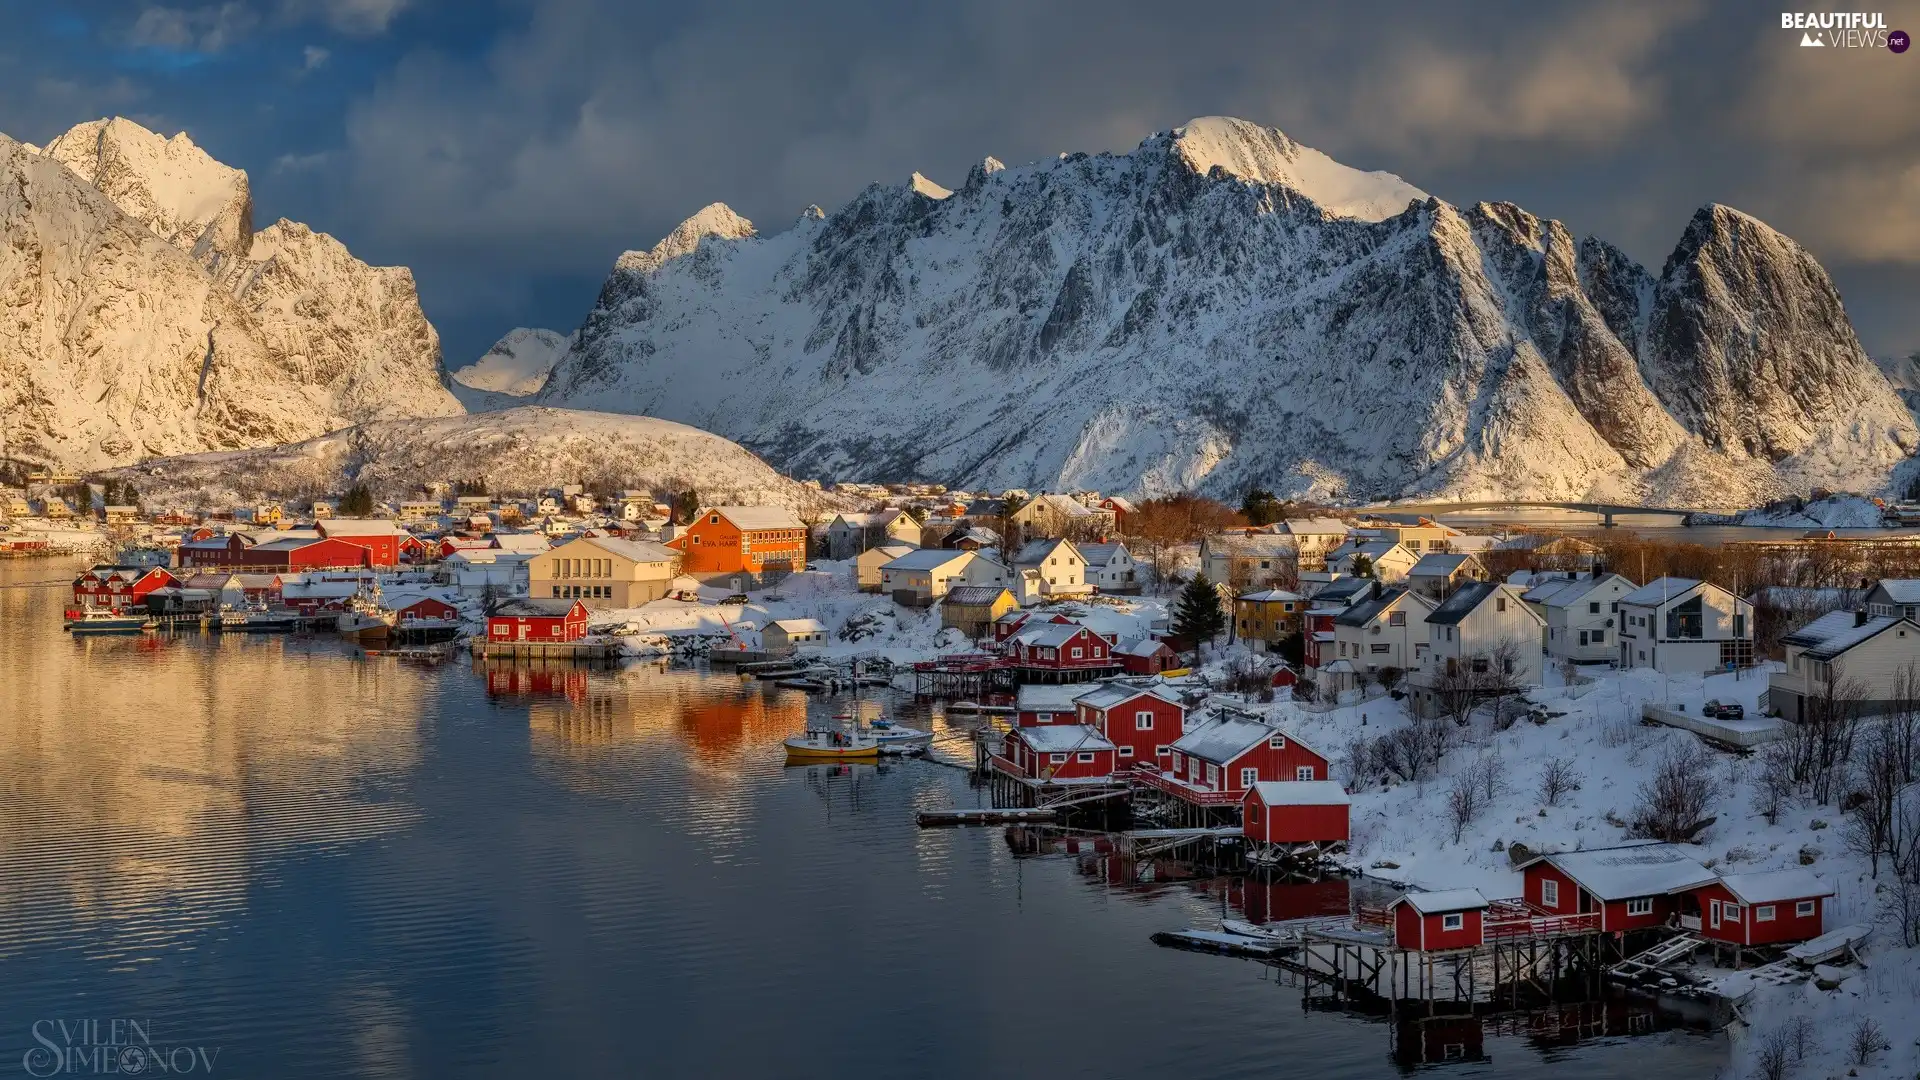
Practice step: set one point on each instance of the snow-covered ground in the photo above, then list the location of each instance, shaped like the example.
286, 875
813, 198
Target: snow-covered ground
1836, 512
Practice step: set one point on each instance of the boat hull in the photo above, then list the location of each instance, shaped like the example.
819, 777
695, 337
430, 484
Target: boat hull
800, 749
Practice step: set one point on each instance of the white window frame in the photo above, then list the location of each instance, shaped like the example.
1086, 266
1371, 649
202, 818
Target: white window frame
1057, 759
1453, 921
1162, 751
1640, 905
1249, 776
1763, 913
1213, 775
1126, 751
1086, 757
1143, 720
1730, 912
1549, 893
1805, 909
1303, 772
1276, 742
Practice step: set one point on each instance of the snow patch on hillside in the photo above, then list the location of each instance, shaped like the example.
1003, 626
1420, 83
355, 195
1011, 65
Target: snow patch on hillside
516, 366
1265, 155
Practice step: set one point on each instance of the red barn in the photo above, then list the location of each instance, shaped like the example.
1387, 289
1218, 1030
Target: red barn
380, 538
1757, 909
297, 555
1295, 812
1632, 887
118, 588
1059, 752
537, 620
428, 609
212, 552
1035, 705
1437, 921
412, 548
1142, 722
1148, 656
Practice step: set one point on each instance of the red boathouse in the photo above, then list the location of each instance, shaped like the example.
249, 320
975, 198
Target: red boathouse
1142, 722
1438, 921
1631, 887
537, 621
1757, 909
1292, 812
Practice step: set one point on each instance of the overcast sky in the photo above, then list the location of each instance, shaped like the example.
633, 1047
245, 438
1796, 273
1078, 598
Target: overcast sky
507, 151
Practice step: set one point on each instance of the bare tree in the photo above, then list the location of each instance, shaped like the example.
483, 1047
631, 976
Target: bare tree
1463, 802
1677, 797
1867, 1040
1775, 786
1821, 745
1557, 780
1875, 797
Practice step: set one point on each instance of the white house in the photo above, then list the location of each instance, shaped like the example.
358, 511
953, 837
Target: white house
867, 564
849, 534
1387, 629
1048, 570
1439, 574
1390, 560
924, 575
1482, 624
786, 635
476, 570
1842, 650
1677, 625
1110, 568
1582, 613
1250, 560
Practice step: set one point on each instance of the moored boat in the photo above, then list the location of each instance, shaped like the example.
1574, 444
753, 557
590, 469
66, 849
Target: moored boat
829, 742
103, 621
365, 621
897, 739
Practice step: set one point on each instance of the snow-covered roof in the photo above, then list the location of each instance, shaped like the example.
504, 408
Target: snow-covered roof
1443, 902
1837, 631
1366, 611
1146, 646
643, 551
1049, 636
1901, 590
926, 559
1660, 590
1247, 545
1267, 596
1100, 554
1301, 793
755, 518
1563, 591
1035, 552
1316, 526
356, 527
1038, 698
856, 520
521, 541
1119, 693
1439, 564
532, 606
1120, 503
1342, 591
1224, 739
1464, 599
974, 594
1062, 738
1774, 886
800, 626
1629, 871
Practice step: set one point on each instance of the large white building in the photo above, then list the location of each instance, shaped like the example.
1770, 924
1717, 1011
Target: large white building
1679, 625
1582, 613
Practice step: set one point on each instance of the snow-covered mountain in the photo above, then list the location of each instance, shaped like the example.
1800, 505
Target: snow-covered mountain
520, 449
516, 367
141, 315
1223, 307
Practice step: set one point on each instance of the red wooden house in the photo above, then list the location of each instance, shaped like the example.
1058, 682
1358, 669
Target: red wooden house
212, 552
118, 588
450, 544
1036, 704
1142, 722
428, 609
1014, 621
537, 620
412, 548
1287, 812
1148, 656
1059, 753
1061, 652
296, 555
1757, 909
1632, 887
381, 538
1437, 921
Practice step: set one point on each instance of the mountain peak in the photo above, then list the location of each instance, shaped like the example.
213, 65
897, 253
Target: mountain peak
169, 184
1265, 155
927, 187
714, 219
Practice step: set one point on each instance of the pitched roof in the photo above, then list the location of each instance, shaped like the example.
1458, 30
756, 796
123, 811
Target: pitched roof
1062, 738
755, 518
1050, 635
1444, 902
521, 541
1301, 793
980, 595
1118, 693
1439, 564
1630, 870
1034, 552
1222, 740
1100, 554
1316, 526
1901, 590
1250, 545
1268, 596
1462, 602
800, 626
926, 559
1660, 590
1146, 646
1035, 697
532, 607
1343, 590
1837, 631
858, 520
645, 551
1365, 611
1773, 886
1565, 592
1121, 504
356, 527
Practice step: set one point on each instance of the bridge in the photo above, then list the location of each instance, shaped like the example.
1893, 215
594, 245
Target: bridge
1604, 511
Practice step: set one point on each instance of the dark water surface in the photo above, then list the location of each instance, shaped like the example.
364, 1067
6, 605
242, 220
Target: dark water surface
297, 862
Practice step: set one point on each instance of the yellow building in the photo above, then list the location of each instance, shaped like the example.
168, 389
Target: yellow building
602, 572
1261, 619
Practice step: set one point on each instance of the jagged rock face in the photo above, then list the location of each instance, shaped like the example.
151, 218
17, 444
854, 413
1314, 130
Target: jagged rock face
517, 365
121, 340
1222, 308
170, 185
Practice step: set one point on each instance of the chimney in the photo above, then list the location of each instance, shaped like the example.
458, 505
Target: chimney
1373, 590
1860, 617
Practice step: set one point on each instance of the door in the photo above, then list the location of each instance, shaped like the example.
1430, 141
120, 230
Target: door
523, 631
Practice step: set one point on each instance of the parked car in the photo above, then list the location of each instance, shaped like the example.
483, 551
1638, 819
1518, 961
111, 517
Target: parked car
1724, 710
736, 598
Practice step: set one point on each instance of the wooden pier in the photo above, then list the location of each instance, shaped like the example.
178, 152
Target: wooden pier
966, 675
931, 819
578, 652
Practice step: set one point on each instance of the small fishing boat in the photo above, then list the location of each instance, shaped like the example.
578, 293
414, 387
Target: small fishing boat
831, 742
365, 621
896, 739
103, 621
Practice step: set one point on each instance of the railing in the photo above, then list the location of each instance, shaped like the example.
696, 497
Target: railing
1180, 789
1541, 926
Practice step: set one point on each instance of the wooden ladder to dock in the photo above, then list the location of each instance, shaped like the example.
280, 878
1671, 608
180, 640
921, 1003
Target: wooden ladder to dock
1670, 951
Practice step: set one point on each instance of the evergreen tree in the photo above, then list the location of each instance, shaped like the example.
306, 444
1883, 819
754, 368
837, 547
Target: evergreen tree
1260, 507
358, 502
1362, 566
685, 507
1197, 615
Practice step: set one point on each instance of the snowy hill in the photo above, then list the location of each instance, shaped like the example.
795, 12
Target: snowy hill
516, 367
1223, 307
141, 315
516, 450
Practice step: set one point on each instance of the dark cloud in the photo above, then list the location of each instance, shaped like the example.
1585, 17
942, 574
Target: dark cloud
509, 153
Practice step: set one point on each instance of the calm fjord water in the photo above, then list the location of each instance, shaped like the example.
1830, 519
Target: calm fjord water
303, 863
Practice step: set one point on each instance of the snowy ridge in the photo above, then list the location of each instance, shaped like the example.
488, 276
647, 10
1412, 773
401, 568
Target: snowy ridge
515, 450
141, 315
517, 365
1222, 308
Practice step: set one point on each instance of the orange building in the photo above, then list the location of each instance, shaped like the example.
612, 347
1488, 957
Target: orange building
755, 544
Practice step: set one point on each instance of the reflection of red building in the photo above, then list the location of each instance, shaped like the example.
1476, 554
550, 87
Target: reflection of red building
1276, 901
541, 682
1439, 1040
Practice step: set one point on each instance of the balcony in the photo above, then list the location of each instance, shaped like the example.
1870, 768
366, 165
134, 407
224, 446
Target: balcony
1183, 790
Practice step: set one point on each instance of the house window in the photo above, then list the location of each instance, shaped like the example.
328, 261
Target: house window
1803, 909
1500, 603
1177, 758
1213, 776
1640, 906
1549, 893
1303, 772
1730, 912
1044, 717
1454, 921
1143, 720
1593, 608
1076, 652
1162, 751
1599, 637
1086, 757
1126, 751
1378, 647
1397, 618
1057, 759
714, 520
1763, 913
1277, 742
1249, 777
556, 592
